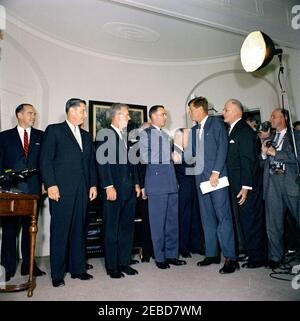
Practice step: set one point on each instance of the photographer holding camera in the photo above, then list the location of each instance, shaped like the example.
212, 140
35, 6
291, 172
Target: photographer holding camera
281, 189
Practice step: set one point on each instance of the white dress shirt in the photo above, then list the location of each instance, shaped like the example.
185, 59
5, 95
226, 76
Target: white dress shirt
76, 132
21, 134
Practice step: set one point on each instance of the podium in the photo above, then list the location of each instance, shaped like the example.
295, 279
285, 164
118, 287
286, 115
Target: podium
22, 205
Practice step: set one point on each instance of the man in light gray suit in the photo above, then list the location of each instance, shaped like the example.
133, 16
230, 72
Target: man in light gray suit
281, 190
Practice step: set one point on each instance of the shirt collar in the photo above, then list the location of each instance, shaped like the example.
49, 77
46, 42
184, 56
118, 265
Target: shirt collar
234, 123
21, 130
203, 121
117, 130
282, 132
72, 127
158, 128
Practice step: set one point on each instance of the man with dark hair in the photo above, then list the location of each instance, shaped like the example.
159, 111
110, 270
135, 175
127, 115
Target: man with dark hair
161, 189
243, 169
208, 147
20, 149
119, 187
69, 173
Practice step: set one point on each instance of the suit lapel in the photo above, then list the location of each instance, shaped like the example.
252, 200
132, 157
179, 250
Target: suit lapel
18, 141
32, 140
235, 128
70, 134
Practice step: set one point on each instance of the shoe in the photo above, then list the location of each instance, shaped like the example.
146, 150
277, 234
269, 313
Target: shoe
134, 261
36, 271
185, 254
83, 276
229, 266
88, 266
146, 259
243, 258
8, 276
115, 274
209, 260
253, 265
176, 262
128, 270
58, 282
273, 264
162, 265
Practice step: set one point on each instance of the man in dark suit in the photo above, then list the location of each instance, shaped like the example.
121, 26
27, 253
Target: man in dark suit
20, 149
161, 189
208, 145
119, 187
281, 188
69, 173
242, 164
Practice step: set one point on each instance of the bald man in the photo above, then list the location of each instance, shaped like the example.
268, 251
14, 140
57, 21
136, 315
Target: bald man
243, 164
281, 190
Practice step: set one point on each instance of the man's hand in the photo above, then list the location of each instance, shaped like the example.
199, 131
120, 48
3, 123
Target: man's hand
243, 195
93, 193
53, 193
144, 195
271, 151
137, 190
214, 179
264, 149
111, 194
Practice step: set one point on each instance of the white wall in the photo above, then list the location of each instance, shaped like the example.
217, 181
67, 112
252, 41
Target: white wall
46, 74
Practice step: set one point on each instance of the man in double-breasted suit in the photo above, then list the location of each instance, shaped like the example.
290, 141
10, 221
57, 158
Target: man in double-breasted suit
161, 188
242, 164
69, 173
209, 148
19, 150
119, 189
281, 186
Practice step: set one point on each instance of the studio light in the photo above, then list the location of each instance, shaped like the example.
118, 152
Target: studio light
257, 51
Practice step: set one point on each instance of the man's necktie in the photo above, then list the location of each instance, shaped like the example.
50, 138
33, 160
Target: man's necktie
25, 143
276, 139
200, 152
77, 136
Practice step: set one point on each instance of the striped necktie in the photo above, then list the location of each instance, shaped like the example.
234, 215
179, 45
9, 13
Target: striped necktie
25, 143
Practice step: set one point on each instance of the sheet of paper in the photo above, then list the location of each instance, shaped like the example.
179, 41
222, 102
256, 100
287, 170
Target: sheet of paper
207, 188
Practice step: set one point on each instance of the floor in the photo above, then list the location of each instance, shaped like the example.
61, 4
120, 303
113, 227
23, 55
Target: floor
183, 283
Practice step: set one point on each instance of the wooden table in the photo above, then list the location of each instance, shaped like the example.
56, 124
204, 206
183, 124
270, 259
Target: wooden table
22, 205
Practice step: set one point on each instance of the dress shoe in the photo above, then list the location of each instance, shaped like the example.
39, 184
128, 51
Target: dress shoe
128, 270
8, 276
88, 266
132, 261
243, 258
162, 265
209, 260
58, 282
83, 276
229, 266
273, 264
176, 262
146, 259
115, 274
185, 254
36, 271
253, 265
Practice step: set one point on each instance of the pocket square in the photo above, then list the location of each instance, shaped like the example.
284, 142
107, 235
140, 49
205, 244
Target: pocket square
232, 142
37, 143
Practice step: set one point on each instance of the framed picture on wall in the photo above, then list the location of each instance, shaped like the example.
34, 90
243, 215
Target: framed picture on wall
98, 116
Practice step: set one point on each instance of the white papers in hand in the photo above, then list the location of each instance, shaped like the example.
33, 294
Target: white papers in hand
207, 188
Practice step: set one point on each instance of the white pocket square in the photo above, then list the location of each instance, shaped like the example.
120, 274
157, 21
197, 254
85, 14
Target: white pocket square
232, 142
37, 143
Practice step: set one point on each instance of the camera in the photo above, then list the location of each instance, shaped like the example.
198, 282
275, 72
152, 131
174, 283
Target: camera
270, 143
